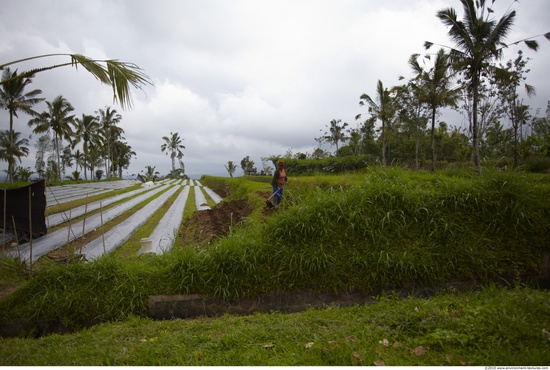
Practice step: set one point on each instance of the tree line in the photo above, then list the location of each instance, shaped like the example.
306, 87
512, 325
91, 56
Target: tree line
402, 121
99, 133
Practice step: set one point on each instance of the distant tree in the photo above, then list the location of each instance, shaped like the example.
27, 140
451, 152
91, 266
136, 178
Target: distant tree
22, 173
14, 99
434, 88
66, 159
231, 168
123, 154
150, 171
479, 40
79, 160
335, 133
319, 154
43, 146
87, 129
58, 120
382, 108
108, 120
173, 145
95, 158
12, 149
247, 165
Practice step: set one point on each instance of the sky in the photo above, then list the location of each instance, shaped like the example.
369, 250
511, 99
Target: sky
237, 78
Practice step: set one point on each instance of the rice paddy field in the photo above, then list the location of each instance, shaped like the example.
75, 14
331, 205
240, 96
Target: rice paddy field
374, 232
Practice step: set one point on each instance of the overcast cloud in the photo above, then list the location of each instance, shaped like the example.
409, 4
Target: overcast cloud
238, 78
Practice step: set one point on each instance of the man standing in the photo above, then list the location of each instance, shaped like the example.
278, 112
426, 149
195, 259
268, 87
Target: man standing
279, 180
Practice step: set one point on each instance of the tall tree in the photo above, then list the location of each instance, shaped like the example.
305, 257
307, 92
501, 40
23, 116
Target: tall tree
86, 129
511, 77
14, 99
173, 145
435, 88
11, 149
335, 133
382, 108
43, 146
123, 153
58, 120
66, 159
109, 119
479, 41
79, 159
95, 158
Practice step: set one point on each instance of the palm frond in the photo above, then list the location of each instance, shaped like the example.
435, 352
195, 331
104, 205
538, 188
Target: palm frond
119, 75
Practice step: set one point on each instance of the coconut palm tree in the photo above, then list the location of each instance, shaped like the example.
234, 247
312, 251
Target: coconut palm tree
382, 109
86, 129
13, 97
231, 168
123, 153
109, 119
79, 159
335, 133
11, 149
479, 41
150, 172
58, 120
173, 145
95, 158
434, 88
119, 75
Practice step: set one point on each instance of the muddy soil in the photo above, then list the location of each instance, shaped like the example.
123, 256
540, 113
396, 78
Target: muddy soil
206, 226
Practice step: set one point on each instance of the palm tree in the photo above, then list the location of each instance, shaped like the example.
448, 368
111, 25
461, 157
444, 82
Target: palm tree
478, 41
336, 133
13, 97
231, 168
173, 145
58, 120
11, 149
382, 109
150, 171
119, 75
519, 115
109, 119
434, 88
123, 154
86, 131
94, 158
79, 159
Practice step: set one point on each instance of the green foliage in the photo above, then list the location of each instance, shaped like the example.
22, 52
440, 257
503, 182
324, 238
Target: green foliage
492, 326
330, 165
379, 230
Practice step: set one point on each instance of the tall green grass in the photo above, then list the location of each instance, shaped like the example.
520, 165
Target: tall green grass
378, 230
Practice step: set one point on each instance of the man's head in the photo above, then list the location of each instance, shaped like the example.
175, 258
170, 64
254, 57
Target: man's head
281, 164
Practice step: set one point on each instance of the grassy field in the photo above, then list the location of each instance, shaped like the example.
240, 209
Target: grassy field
490, 327
373, 231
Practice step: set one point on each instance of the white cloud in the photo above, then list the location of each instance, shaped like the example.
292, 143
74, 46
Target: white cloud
237, 78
